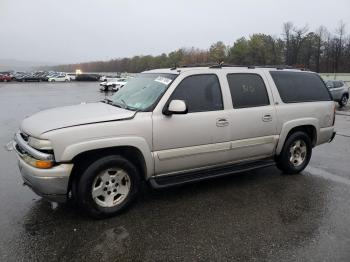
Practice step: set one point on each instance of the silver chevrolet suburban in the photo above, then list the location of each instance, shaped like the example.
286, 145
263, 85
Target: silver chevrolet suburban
174, 126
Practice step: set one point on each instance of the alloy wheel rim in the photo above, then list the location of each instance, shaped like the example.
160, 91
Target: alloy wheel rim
110, 187
298, 152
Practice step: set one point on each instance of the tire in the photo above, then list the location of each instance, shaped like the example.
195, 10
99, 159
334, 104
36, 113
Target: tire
108, 186
300, 144
343, 101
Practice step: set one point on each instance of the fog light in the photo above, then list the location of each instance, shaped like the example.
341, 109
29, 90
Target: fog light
43, 164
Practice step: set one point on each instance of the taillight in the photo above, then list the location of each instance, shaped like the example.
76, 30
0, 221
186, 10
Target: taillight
333, 115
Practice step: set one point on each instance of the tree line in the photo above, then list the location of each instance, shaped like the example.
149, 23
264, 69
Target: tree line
319, 50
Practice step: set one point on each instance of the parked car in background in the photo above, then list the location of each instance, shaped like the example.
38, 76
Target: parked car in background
32, 77
170, 127
18, 75
5, 78
107, 78
72, 76
339, 91
114, 84
87, 77
59, 78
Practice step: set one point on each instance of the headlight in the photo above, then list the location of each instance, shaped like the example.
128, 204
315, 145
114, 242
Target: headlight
40, 144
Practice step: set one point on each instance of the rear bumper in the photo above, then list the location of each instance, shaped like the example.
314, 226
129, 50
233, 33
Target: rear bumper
51, 184
325, 135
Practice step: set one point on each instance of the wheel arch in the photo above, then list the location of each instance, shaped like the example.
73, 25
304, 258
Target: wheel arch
82, 160
309, 126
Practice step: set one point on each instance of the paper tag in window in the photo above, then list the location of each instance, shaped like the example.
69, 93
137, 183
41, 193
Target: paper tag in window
163, 80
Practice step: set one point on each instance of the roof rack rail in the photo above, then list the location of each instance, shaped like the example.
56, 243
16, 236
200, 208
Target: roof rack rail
221, 65
198, 65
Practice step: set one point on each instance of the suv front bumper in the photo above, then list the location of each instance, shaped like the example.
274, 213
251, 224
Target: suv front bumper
51, 184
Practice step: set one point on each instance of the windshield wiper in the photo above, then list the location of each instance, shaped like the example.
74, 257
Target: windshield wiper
107, 101
110, 102
126, 106
124, 103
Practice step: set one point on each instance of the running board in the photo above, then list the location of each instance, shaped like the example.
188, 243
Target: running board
189, 177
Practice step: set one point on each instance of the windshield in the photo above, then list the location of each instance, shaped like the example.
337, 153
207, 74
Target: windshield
142, 91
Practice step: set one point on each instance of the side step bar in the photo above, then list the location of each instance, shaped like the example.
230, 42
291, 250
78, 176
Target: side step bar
184, 178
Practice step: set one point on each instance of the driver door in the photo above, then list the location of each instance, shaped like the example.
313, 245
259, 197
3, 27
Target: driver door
199, 138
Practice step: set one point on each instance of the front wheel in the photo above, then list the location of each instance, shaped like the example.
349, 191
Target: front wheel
296, 153
343, 101
108, 186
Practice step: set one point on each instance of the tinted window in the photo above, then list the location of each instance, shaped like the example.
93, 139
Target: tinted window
200, 92
300, 87
247, 90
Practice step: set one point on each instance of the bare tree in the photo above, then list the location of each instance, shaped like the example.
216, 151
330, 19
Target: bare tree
320, 34
340, 31
287, 31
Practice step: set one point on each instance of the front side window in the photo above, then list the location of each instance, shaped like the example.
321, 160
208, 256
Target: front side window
143, 91
247, 90
200, 92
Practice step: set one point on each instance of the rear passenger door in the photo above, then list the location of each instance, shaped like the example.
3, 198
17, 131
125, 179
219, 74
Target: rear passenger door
253, 117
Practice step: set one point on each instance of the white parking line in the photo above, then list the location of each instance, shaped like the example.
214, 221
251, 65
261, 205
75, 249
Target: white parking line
326, 175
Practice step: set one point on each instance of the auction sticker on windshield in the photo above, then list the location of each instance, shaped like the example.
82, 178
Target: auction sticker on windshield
163, 80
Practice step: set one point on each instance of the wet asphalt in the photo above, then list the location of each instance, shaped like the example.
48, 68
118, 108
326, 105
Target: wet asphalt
261, 215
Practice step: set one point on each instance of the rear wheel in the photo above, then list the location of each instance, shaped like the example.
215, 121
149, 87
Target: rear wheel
108, 186
296, 153
343, 101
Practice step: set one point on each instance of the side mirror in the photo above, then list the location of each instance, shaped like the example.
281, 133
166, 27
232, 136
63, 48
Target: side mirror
176, 107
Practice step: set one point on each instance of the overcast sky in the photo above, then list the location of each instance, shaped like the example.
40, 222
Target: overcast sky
69, 31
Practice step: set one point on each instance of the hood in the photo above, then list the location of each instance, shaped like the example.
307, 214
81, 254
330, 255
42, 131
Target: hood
69, 116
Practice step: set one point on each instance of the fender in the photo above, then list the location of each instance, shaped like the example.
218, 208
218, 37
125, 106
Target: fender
140, 143
289, 125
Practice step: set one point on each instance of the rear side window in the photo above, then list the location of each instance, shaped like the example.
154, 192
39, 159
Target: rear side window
300, 87
247, 90
200, 92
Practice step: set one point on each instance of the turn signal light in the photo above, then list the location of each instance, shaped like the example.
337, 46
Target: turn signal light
44, 164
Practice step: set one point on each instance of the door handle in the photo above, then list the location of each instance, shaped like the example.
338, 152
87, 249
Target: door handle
220, 122
267, 118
